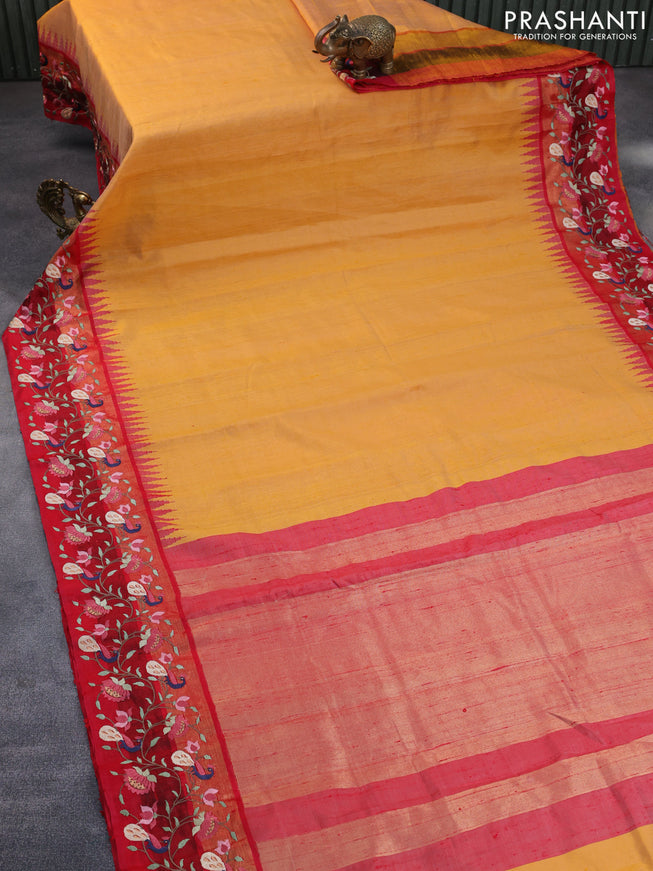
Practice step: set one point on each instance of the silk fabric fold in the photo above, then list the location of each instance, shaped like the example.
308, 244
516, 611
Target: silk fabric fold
338, 407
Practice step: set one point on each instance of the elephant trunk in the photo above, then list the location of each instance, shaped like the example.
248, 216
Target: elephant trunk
318, 43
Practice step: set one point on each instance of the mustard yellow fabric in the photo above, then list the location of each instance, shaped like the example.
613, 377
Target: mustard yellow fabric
630, 852
326, 301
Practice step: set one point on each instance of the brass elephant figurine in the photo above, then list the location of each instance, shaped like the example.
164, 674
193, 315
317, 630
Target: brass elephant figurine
362, 45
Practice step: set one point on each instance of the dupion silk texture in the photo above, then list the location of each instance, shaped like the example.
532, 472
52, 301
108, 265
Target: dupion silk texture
340, 415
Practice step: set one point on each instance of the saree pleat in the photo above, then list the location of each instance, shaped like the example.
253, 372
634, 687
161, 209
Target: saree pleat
338, 406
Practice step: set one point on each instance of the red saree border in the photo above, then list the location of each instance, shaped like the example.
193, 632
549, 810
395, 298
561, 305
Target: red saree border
65, 99
495, 56
588, 210
120, 383
166, 782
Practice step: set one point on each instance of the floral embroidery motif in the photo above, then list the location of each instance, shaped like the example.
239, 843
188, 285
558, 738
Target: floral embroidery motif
64, 99
587, 200
157, 756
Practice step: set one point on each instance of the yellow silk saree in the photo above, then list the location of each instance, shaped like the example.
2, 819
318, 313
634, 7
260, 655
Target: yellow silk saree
338, 406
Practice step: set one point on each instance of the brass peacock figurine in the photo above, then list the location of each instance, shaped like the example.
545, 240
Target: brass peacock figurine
50, 199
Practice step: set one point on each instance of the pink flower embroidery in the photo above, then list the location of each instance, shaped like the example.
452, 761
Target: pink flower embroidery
151, 641
148, 815
45, 408
96, 608
123, 719
138, 781
76, 534
115, 690
223, 847
208, 827
176, 726
60, 467
210, 796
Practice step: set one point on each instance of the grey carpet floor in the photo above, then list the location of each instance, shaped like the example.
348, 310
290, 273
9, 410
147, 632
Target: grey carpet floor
50, 815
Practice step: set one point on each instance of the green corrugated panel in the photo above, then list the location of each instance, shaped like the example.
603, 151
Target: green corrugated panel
15, 60
19, 56
457, 7
619, 52
494, 14
6, 56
